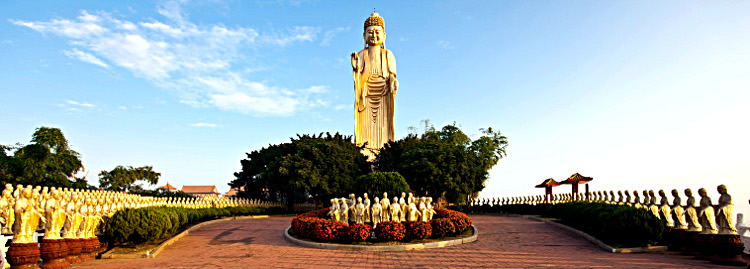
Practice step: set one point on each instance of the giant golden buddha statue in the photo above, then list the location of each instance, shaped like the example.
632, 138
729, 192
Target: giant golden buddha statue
375, 86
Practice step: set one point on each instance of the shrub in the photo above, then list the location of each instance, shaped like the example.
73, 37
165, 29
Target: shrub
418, 229
359, 232
146, 224
442, 227
390, 231
613, 224
379, 182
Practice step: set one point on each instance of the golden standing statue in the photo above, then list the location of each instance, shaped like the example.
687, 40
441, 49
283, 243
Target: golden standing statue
375, 86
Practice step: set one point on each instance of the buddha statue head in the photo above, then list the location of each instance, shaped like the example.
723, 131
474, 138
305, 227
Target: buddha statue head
702, 192
374, 32
722, 189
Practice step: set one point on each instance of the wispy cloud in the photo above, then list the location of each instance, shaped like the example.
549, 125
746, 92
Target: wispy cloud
86, 57
76, 106
330, 34
203, 124
203, 64
445, 44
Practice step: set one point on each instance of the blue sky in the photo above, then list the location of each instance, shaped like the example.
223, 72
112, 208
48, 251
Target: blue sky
637, 94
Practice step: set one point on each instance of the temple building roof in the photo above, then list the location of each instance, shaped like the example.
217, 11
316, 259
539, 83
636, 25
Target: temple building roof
548, 183
168, 187
577, 178
200, 189
233, 191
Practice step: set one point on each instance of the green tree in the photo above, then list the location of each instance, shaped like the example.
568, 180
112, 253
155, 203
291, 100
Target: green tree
47, 161
307, 166
123, 178
444, 163
379, 182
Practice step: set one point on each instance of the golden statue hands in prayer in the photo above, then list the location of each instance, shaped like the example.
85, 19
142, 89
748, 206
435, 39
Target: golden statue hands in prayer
375, 87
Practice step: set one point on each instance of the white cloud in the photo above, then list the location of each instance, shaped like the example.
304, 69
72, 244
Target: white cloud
122, 107
76, 106
445, 44
328, 35
81, 104
203, 124
202, 64
86, 57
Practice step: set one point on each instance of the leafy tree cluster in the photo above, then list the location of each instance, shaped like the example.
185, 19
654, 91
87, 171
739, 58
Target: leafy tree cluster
438, 163
444, 163
47, 161
379, 182
123, 178
311, 166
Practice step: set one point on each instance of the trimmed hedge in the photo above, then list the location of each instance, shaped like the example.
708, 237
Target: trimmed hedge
618, 225
147, 224
359, 232
418, 229
316, 225
390, 231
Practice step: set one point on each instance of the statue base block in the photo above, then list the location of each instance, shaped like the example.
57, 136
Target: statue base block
87, 248
102, 246
689, 242
676, 240
23, 255
74, 249
728, 249
53, 253
705, 245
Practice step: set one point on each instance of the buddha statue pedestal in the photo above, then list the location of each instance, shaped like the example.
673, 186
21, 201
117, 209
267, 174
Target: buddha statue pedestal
102, 245
705, 246
691, 247
53, 253
728, 249
23, 255
677, 240
87, 248
74, 249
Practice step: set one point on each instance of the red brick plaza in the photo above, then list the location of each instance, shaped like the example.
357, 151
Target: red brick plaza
504, 242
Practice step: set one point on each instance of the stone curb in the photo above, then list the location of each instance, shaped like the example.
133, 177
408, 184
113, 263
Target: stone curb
439, 244
597, 241
155, 251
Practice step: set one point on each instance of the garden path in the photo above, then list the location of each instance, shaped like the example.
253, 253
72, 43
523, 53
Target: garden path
504, 242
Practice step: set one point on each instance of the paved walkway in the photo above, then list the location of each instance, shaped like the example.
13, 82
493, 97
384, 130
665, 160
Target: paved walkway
504, 242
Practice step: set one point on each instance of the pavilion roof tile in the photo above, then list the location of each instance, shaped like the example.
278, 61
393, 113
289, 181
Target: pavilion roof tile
548, 183
577, 178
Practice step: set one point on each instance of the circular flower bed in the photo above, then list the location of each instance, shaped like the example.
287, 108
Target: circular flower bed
315, 225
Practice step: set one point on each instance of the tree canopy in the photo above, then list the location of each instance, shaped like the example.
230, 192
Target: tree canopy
307, 166
47, 161
444, 162
123, 178
379, 182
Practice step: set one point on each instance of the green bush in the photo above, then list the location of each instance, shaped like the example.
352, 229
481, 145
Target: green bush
147, 224
613, 224
380, 182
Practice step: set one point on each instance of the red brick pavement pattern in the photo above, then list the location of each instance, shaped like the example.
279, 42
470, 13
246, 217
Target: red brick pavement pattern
504, 242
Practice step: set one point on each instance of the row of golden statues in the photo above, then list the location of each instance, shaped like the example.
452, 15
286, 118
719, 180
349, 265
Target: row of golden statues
702, 216
72, 213
399, 209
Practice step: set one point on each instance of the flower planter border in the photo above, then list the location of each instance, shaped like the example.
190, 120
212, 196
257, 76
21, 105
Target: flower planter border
404, 247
